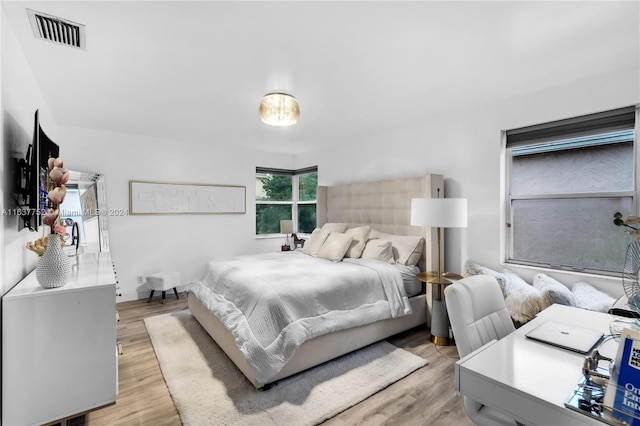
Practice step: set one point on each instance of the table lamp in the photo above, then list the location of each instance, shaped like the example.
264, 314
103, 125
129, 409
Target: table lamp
286, 227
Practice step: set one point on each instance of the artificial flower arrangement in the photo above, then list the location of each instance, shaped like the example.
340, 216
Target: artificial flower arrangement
56, 178
628, 222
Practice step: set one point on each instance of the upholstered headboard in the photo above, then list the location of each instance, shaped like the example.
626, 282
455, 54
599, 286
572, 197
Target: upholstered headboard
385, 205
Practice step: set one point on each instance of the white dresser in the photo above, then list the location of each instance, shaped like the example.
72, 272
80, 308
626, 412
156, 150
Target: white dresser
59, 353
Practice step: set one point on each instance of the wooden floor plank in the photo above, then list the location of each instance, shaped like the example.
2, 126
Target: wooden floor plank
425, 397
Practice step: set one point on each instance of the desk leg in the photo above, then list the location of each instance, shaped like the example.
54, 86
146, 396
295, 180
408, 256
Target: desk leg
439, 322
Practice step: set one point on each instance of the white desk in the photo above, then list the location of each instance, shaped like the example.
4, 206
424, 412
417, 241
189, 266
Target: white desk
530, 380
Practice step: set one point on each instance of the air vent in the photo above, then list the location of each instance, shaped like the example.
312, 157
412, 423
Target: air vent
57, 30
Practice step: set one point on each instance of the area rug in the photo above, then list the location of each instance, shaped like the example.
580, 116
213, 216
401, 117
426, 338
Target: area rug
208, 389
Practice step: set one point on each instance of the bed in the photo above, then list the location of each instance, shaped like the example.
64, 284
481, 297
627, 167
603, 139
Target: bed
387, 308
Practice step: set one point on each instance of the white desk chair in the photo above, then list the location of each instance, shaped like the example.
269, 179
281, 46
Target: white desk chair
478, 315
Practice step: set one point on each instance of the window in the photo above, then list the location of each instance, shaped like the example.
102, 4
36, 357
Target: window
566, 180
286, 195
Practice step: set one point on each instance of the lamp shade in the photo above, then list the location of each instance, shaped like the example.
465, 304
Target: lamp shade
286, 226
439, 212
279, 109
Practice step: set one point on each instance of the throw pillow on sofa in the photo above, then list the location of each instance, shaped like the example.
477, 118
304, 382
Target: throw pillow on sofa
473, 268
553, 291
589, 297
523, 301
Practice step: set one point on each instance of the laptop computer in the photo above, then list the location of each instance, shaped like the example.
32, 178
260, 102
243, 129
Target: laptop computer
573, 338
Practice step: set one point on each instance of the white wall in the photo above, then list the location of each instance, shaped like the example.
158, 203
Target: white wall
142, 245
465, 146
21, 97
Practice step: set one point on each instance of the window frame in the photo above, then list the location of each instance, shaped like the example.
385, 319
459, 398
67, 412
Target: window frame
295, 195
508, 239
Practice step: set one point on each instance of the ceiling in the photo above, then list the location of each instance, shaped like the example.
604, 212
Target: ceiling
197, 70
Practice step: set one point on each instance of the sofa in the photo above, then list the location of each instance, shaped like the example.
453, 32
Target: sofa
524, 300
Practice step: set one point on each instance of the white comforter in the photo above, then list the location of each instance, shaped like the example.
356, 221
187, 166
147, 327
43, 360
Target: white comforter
272, 303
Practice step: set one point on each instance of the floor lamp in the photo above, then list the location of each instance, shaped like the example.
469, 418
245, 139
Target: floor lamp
439, 213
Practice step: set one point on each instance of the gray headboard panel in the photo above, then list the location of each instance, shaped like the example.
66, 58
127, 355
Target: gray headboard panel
385, 205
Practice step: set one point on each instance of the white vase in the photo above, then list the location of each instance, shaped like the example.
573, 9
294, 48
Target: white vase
54, 267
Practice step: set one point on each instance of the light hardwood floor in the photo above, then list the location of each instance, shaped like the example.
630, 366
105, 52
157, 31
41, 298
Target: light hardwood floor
425, 397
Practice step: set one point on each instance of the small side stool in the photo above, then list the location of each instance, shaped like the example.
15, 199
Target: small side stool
163, 281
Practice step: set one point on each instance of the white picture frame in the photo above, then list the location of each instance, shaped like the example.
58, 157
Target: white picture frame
150, 197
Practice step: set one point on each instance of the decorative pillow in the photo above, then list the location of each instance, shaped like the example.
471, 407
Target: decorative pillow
335, 246
360, 235
589, 297
553, 291
335, 227
407, 249
315, 242
473, 268
522, 299
378, 249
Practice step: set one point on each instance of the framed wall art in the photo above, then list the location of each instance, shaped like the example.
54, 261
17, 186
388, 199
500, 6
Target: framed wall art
148, 197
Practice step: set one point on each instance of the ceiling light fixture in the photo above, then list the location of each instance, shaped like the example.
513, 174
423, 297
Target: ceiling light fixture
279, 109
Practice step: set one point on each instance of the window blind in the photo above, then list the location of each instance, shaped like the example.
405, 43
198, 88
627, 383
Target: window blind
585, 125
272, 171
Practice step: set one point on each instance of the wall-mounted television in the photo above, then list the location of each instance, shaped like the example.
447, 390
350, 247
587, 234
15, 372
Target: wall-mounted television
40, 150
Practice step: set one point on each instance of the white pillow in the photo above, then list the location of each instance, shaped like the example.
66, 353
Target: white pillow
407, 249
523, 300
378, 249
589, 297
553, 291
335, 227
315, 241
473, 268
360, 235
335, 246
